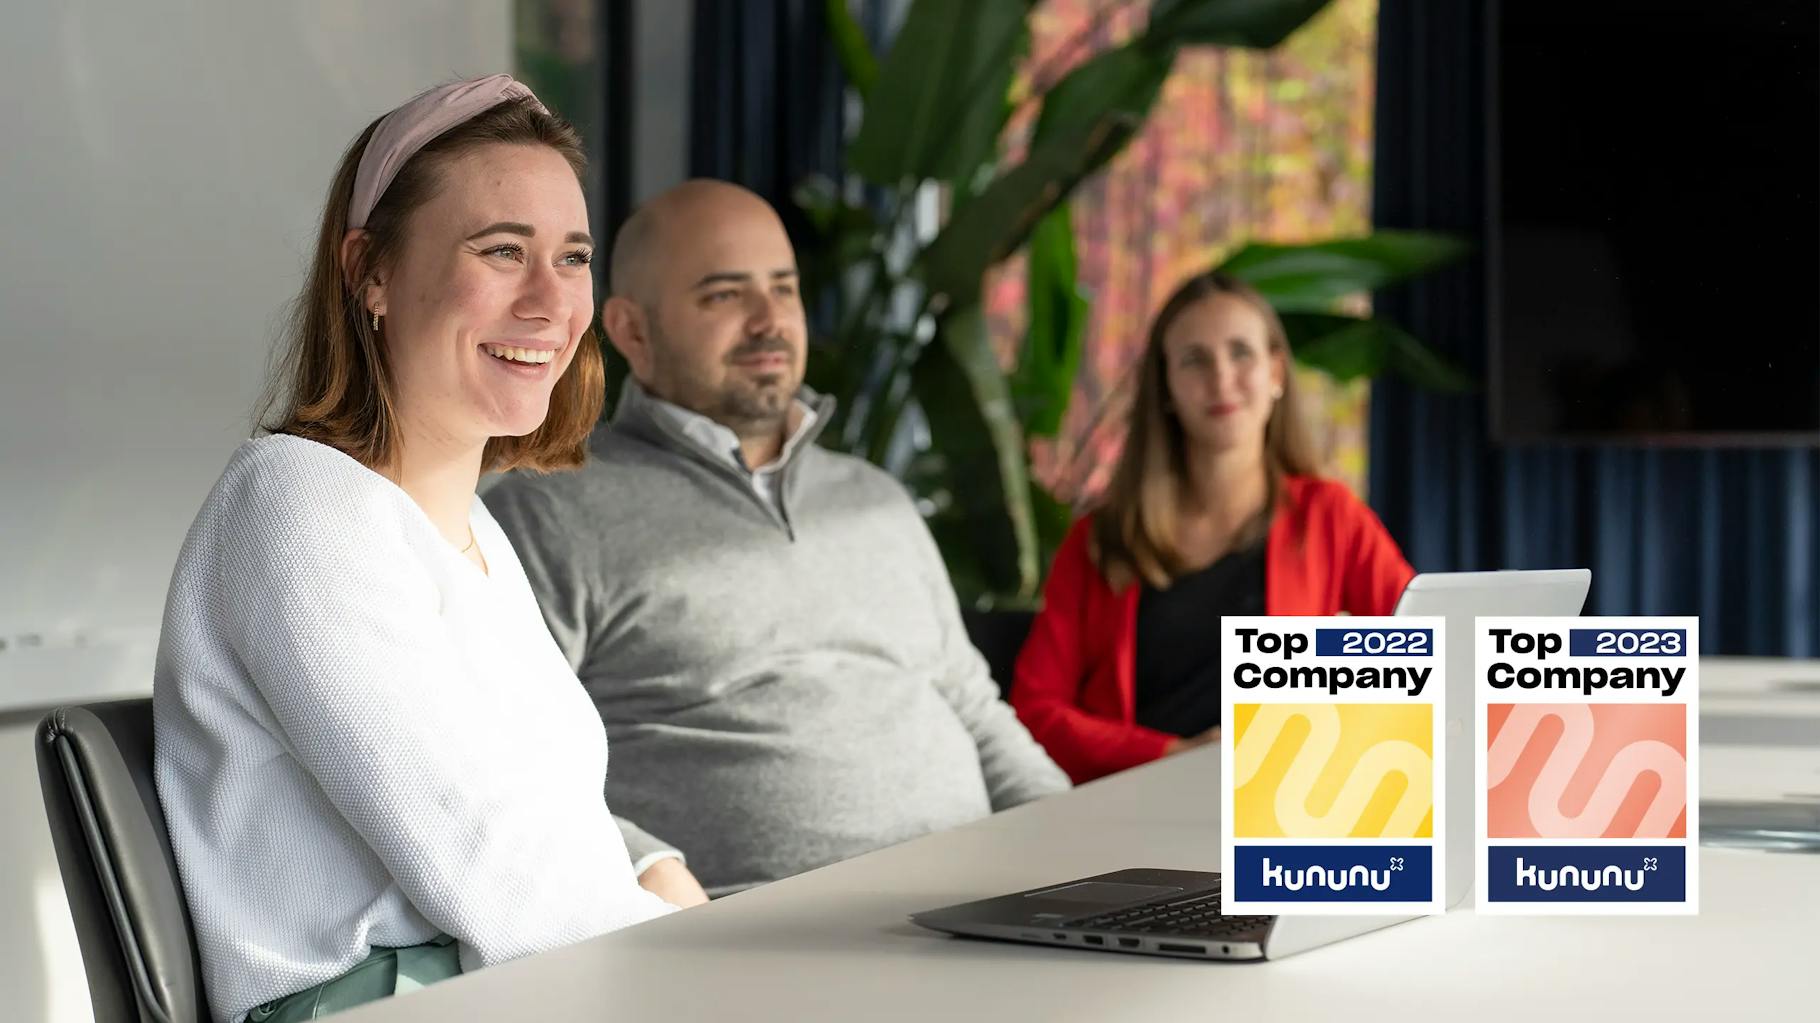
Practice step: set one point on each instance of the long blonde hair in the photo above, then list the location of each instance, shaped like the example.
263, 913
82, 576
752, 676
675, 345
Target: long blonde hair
1136, 526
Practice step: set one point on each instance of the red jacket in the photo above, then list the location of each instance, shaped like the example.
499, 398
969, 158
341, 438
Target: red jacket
1075, 685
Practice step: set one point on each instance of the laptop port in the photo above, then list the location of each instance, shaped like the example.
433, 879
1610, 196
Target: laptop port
1165, 946
1093, 939
1129, 942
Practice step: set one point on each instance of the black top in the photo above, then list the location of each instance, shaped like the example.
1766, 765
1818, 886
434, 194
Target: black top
1178, 641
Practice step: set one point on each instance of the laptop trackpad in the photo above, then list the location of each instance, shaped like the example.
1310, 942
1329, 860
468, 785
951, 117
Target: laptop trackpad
1105, 893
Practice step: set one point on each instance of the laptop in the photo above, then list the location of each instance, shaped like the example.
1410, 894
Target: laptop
1149, 911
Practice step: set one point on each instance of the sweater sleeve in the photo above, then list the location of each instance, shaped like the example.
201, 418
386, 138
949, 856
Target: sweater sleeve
554, 568
547, 550
1375, 570
347, 648
1052, 668
643, 847
1015, 767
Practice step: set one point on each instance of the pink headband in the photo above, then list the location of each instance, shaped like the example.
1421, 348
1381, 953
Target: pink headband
401, 133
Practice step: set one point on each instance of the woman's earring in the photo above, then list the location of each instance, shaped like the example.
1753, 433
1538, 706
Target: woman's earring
1277, 394
376, 322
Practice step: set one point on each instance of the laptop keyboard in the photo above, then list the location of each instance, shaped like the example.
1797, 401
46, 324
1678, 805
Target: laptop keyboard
1195, 916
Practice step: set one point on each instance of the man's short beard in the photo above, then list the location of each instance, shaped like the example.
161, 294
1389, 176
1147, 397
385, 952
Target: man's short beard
759, 407
753, 409
750, 408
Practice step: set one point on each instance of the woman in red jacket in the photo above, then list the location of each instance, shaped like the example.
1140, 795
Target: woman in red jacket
1214, 509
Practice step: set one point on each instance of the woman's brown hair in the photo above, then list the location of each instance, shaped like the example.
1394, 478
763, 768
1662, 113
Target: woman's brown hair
1135, 527
333, 383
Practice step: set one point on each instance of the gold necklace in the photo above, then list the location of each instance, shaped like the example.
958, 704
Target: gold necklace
470, 545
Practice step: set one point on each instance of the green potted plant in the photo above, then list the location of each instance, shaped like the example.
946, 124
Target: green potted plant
920, 387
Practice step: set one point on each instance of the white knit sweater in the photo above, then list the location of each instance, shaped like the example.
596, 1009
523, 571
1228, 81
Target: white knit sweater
361, 739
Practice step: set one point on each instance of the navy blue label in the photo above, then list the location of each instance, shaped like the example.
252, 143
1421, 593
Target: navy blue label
1374, 642
1627, 642
1332, 873
1586, 873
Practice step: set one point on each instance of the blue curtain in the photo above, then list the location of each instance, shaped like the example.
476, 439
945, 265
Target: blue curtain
766, 100
1730, 535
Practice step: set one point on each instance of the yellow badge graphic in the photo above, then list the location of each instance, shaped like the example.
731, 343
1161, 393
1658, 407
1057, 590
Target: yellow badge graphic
1351, 770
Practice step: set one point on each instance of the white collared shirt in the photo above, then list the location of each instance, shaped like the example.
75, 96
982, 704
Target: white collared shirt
723, 443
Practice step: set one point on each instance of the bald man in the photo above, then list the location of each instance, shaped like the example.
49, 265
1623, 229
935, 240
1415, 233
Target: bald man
765, 625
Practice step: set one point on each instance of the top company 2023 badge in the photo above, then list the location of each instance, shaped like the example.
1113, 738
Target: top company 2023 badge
1330, 759
1588, 765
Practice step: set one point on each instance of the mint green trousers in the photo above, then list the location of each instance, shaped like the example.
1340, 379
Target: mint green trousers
387, 972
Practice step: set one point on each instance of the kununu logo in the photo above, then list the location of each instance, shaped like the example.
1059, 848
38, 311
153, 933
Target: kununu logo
1337, 879
1590, 879
1332, 806
1587, 799
1332, 874
1586, 875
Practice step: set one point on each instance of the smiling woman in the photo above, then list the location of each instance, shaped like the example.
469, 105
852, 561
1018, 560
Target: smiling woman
377, 768
342, 390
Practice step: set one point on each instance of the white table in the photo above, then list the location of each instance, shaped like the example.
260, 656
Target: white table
835, 943
1759, 728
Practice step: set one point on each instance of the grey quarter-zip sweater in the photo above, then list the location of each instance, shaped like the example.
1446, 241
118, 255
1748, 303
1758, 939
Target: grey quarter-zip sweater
785, 681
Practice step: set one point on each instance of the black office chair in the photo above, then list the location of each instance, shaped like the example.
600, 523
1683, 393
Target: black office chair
138, 949
999, 636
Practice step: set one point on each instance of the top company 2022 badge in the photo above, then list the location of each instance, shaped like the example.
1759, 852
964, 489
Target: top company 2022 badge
1588, 765
1331, 791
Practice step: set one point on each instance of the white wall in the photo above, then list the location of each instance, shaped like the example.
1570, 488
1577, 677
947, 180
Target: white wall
162, 170
162, 166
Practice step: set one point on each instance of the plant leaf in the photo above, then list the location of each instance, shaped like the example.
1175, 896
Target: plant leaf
1087, 118
973, 427
1347, 348
937, 106
1051, 353
843, 235
1257, 24
857, 61
1052, 521
1311, 277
